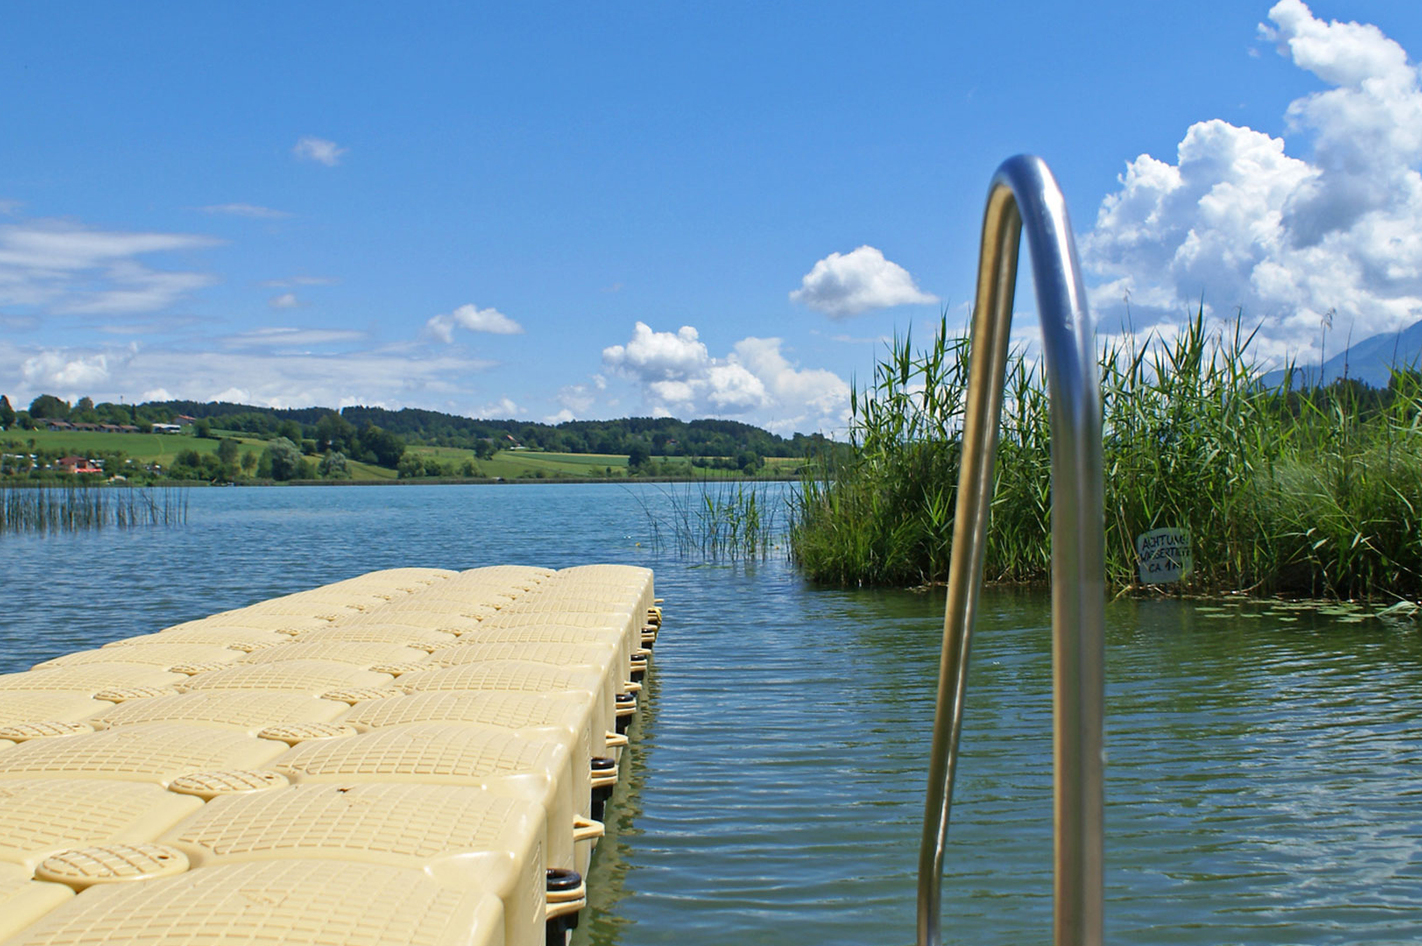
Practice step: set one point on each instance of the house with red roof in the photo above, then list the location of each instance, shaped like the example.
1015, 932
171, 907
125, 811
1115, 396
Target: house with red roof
78, 465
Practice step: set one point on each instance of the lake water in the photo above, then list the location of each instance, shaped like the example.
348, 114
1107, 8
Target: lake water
1264, 782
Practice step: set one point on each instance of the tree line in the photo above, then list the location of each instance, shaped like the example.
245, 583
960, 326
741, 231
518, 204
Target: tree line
349, 430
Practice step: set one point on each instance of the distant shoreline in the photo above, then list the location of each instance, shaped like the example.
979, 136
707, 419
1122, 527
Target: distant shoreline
415, 481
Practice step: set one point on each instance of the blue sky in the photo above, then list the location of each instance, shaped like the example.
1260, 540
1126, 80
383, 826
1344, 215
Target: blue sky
581, 211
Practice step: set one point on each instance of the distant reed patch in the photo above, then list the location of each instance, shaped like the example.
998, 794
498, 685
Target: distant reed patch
40, 509
719, 521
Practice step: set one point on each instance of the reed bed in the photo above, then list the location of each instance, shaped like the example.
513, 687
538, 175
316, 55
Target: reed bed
41, 509
718, 521
1311, 493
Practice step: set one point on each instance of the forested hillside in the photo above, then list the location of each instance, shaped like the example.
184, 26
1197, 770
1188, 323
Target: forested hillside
656, 436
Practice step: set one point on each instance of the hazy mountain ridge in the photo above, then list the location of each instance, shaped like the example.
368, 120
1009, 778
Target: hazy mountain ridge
1370, 361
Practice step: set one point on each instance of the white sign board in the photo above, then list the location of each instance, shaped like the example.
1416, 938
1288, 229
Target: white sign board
1164, 555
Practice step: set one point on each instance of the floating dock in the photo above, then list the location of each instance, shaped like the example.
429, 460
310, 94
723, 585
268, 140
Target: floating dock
413, 756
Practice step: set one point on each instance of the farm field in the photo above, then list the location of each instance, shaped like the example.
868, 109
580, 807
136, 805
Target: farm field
162, 449
514, 464
521, 464
141, 448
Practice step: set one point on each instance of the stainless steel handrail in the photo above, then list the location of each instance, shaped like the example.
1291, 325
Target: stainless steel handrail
1024, 194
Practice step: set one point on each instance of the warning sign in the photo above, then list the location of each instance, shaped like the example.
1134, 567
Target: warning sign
1164, 555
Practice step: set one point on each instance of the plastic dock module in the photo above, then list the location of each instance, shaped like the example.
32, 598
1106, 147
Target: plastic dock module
412, 756
533, 714
455, 754
162, 655
293, 902
246, 710
519, 676
24, 899
31, 707
463, 835
528, 639
420, 638
152, 752
89, 679
360, 653
292, 676
403, 618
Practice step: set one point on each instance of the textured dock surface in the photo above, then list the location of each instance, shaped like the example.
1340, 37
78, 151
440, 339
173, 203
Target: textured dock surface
413, 756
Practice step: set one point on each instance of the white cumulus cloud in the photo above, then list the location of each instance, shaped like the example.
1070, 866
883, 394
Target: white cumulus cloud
287, 300
474, 319
754, 382
54, 369
659, 356
1292, 241
310, 148
502, 409
845, 284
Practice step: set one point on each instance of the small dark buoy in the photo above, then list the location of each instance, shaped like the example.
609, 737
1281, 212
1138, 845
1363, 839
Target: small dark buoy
602, 767
562, 881
626, 706
563, 878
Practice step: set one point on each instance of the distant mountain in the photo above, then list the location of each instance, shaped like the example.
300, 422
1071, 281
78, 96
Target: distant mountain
1369, 361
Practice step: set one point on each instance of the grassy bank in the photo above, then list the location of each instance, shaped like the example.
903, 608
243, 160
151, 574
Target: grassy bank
1311, 493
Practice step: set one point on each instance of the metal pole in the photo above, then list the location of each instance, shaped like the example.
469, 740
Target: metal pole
1024, 196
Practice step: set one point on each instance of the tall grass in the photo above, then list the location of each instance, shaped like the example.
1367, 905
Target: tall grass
717, 521
885, 515
1282, 492
76, 508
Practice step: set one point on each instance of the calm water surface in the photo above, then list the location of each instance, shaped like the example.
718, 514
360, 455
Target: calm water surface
1265, 766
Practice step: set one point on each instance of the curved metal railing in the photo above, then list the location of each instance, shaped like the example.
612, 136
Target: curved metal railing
1024, 195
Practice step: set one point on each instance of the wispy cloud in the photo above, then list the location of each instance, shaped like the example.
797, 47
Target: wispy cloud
846, 284
64, 267
296, 281
576, 400
147, 326
287, 300
280, 368
245, 210
310, 148
291, 338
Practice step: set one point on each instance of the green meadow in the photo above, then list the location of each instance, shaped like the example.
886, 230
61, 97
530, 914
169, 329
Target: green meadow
143, 449
452, 462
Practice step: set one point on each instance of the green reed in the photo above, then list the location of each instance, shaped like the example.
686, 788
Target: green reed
1282, 491
717, 520
82, 507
